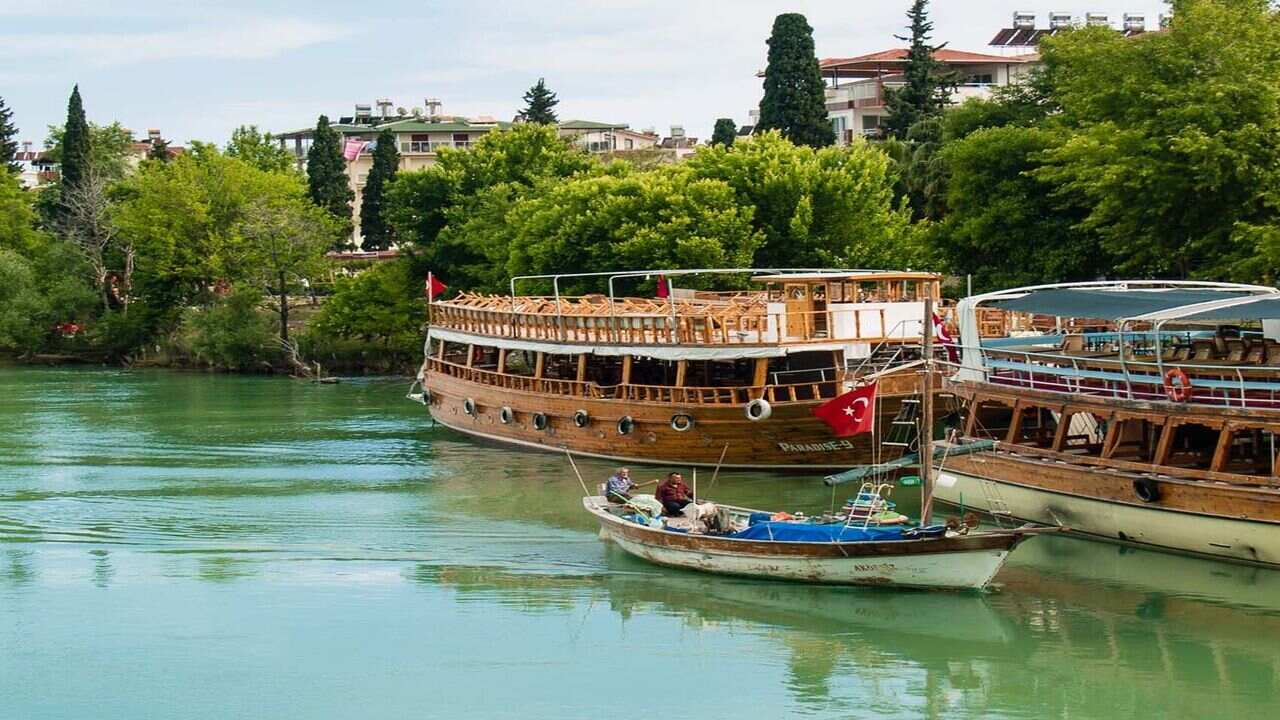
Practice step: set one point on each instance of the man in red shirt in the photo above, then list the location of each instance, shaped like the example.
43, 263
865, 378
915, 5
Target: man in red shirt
673, 494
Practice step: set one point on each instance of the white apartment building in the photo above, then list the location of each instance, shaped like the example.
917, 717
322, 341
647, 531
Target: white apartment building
857, 97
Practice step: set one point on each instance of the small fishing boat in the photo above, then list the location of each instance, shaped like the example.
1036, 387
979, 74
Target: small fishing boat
866, 544
839, 553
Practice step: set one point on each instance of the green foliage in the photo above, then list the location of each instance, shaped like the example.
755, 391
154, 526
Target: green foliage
813, 208
1006, 227
539, 104
1173, 135
109, 149
662, 218
470, 188
259, 149
8, 145
232, 333
327, 181
374, 231
73, 152
19, 303
927, 87
725, 132
382, 306
184, 219
794, 101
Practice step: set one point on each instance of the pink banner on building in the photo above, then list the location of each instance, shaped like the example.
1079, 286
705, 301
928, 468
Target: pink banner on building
352, 149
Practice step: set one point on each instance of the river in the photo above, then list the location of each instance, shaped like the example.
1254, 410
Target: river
205, 546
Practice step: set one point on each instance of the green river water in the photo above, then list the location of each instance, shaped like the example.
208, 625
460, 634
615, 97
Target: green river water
195, 546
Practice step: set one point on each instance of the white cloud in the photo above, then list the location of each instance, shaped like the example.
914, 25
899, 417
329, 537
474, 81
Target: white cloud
249, 39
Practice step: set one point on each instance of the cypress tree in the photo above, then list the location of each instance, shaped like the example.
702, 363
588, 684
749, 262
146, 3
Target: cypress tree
724, 133
386, 160
75, 144
927, 87
794, 99
539, 104
8, 145
327, 182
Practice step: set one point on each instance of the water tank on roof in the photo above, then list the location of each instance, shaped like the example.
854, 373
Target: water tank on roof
1024, 20
1135, 23
1096, 20
1059, 20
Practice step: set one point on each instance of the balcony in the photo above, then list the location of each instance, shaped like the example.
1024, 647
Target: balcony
433, 146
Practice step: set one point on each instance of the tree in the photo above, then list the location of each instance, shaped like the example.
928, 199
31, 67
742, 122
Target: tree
285, 241
259, 149
814, 208
927, 89
382, 305
667, 217
159, 150
109, 148
1005, 225
794, 101
427, 208
74, 155
87, 224
539, 104
1171, 137
327, 181
724, 133
8, 145
374, 230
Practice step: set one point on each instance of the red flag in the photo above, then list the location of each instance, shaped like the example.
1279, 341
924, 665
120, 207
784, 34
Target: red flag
663, 288
851, 413
434, 286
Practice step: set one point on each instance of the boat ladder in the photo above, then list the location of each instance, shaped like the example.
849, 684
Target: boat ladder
871, 500
902, 430
996, 506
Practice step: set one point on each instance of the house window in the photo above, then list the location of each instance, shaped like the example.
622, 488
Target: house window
870, 124
980, 79
840, 124
461, 140
629, 144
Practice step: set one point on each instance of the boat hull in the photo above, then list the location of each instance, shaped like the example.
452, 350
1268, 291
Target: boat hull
956, 563
791, 439
1032, 491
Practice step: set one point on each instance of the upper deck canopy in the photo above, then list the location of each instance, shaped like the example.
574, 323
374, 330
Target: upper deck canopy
1155, 301
847, 275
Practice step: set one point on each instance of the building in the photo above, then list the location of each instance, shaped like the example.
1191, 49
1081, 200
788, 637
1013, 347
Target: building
598, 137
1024, 36
34, 167
857, 91
422, 133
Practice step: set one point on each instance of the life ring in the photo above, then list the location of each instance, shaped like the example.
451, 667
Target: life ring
1147, 490
758, 409
1177, 385
581, 419
626, 425
469, 407
506, 415
539, 421
682, 422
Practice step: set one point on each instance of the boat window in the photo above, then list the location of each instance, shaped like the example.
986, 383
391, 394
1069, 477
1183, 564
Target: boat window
711, 373
455, 353
649, 371
521, 362
560, 367
484, 357
1193, 446
604, 370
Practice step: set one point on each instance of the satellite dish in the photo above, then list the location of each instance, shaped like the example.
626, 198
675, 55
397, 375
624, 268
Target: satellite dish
401, 111
417, 112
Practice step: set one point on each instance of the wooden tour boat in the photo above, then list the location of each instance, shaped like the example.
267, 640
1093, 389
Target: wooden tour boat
693, 378
856, 547
1137, 412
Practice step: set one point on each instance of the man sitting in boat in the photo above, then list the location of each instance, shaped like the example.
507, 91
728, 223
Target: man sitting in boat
619, 486
673, 494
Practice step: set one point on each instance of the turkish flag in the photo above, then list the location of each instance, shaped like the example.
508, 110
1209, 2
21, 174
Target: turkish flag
851, 413
663, 288
434, 286
943, 335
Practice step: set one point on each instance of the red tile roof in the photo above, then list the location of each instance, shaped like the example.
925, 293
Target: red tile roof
899, 55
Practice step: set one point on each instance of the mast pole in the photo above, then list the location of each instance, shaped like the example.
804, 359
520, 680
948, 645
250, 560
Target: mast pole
926, 418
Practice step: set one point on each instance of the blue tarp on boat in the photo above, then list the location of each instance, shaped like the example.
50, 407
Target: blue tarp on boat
810, 532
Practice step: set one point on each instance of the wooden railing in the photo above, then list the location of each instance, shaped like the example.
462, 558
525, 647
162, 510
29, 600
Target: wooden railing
755, 327
736, 395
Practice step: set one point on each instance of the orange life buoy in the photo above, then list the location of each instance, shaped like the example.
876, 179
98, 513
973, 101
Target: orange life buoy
1177, 385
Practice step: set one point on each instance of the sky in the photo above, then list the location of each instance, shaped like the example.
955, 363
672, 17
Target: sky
197, 70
